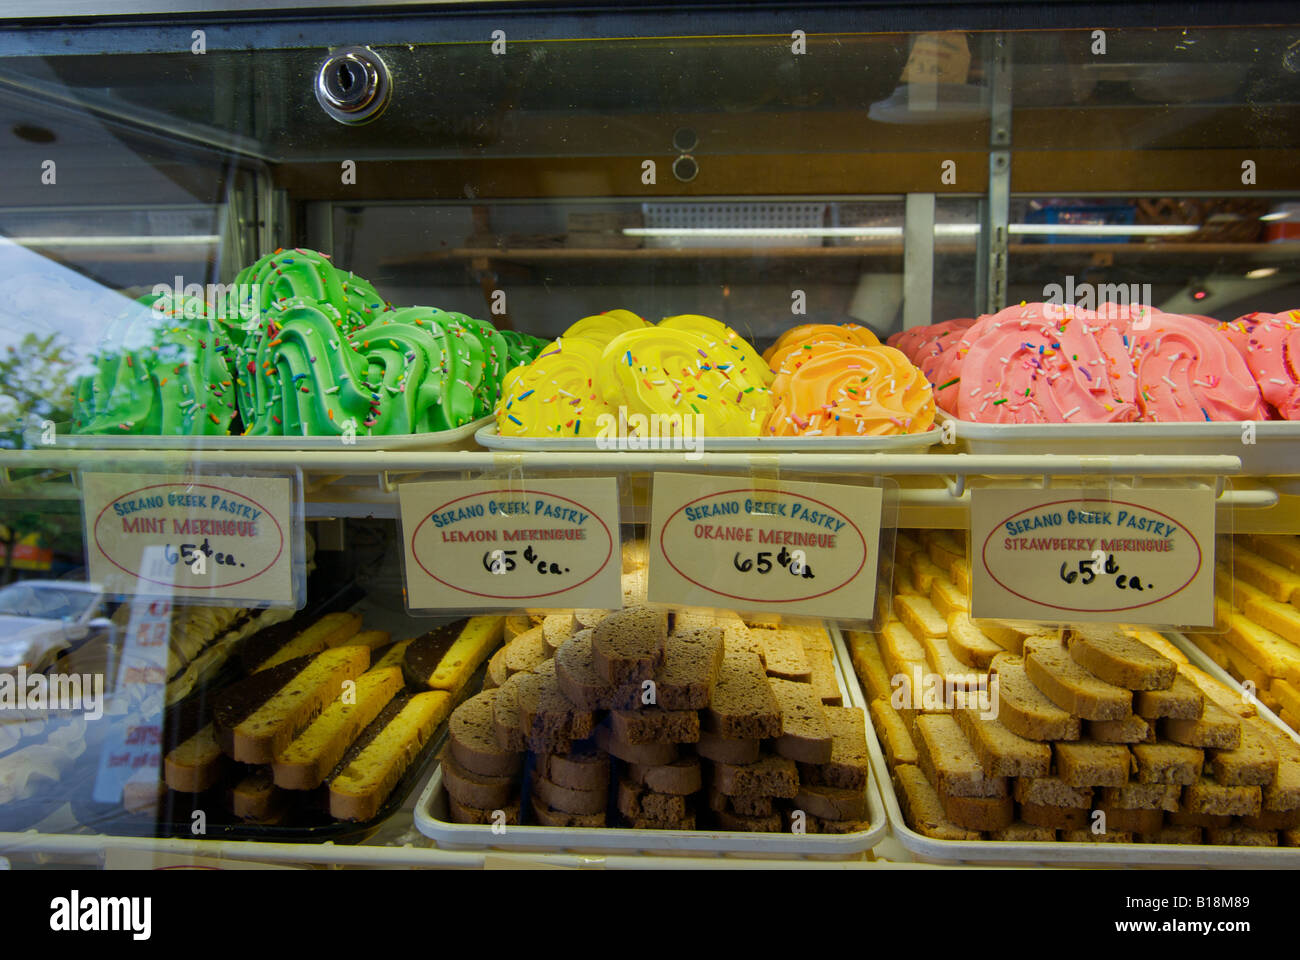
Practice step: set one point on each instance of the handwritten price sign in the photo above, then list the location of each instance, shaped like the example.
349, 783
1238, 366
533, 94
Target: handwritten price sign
1123, 556
215, 539
471, 545
806, 548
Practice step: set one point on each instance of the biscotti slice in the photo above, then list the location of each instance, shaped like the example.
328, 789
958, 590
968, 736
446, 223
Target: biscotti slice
507, 814
1274, 655
737, 823
569, 799
1157, 642
548, 719
831, 803
1272, 578
979, 813
968, 643
1282, 619
869, 665
255, 797
920, 617
743, 706
584, 767
1110, 655
849, 761
1022, 832
269, 729
506, 725
515, 624
783, 654
548, 816
923, 571
1215, 728
557, 628
575, 671
1142, 796
1241, 836
475, 790
692, 664
805, 734
195, 764
1181, 701
628, 645
304, 763
680, 778
1253, 762
1284, 792
900, 649
1167, 763
331, 630
1002, 753
1054, 818
950, 762
769, 776
947, 599
525, 652
955, 675
1131, 729
372, 639
743, 804
1011, 635
727, 749
586, 619
1273, 820
1070, 686
923, 809
474, 643
1282, 549
1132, 820
1052, 792
650, 754
1023, 708
1184, 818
394, 656
814, 636
1230, 700
635, 801
1206, 796
894, 736
1086, 763
822, 664
1171, 833
945, 547
384, 751
497, 671
472, 738
655, 725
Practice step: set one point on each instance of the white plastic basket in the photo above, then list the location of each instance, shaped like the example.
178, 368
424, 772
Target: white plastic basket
689, 215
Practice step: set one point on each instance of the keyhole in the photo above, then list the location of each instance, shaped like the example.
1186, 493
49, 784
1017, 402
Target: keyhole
345, 77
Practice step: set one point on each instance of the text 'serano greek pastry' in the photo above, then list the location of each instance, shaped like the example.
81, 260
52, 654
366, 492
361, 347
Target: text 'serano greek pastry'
834, 389
161, 370
806, 335
1270, 344
1043, 363
556, 394
667, 371
1187, 370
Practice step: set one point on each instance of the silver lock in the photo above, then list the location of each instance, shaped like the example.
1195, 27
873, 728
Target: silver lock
353, 85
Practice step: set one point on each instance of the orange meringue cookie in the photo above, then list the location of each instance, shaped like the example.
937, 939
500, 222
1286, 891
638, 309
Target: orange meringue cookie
851, 334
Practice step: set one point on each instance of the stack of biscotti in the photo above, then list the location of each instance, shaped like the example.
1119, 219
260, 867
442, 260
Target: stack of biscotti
348, 719
657, 720
1088, 734
1256, 636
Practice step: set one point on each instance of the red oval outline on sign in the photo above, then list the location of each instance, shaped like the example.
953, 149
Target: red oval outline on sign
1200, 559
180, 586
729, 596
493, 596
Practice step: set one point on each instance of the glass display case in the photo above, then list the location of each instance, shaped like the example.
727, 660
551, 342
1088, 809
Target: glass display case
432, 430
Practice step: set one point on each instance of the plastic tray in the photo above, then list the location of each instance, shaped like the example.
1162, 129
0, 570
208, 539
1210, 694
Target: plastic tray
431, 818
901, 443
399, 441
1275, 452
1057, 853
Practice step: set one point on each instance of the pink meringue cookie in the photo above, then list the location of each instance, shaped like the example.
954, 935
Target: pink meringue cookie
1188, 370
1044, 363
1270, 345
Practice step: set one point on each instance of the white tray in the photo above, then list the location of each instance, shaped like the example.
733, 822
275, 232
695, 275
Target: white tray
1056, 853
1275, 452
431, 817
400, 441
902, 443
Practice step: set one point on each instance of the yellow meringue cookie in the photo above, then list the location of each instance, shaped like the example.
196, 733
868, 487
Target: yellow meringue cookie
721, 339
604, 327
554, 396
